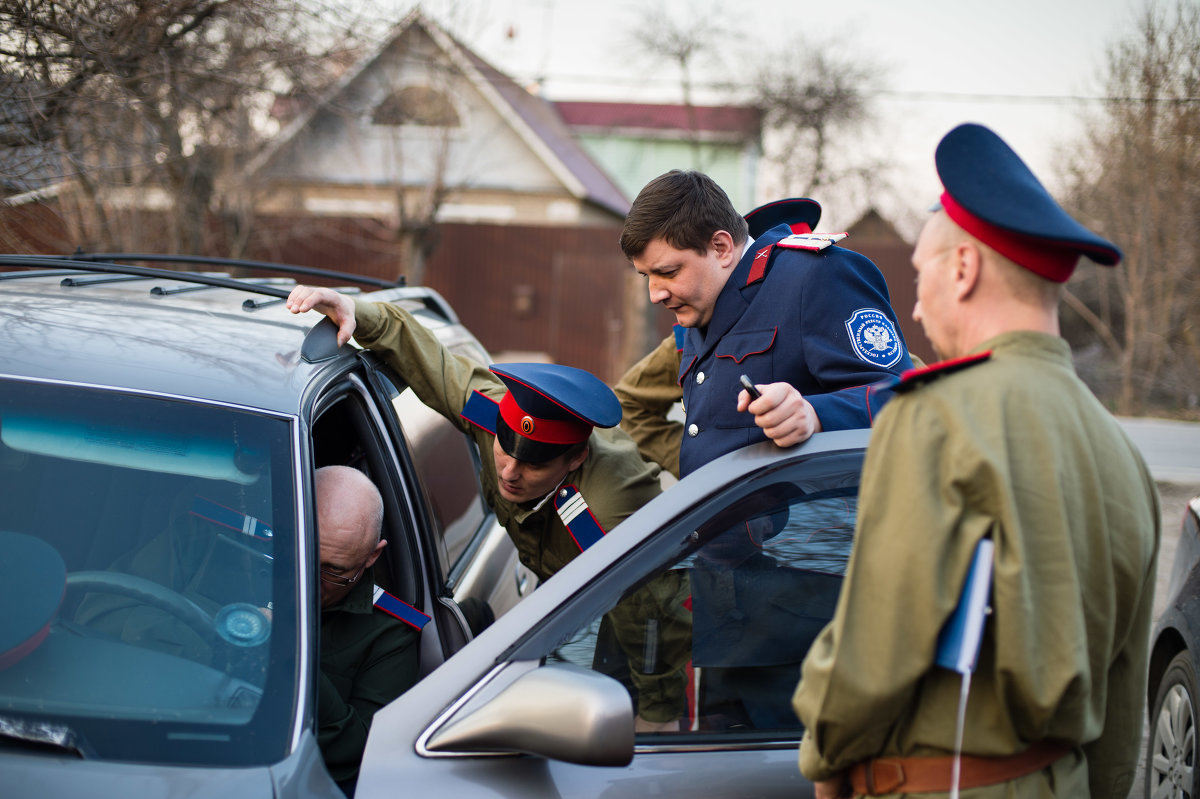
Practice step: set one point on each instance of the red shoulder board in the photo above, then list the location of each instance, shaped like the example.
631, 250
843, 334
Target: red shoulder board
813, 242
758, 269
918, 377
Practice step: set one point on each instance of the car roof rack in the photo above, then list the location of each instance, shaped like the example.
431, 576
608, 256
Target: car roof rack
232, 263
69, 267
107, 262
320, 343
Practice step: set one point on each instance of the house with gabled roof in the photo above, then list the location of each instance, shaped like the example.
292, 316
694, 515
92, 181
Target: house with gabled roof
425, 159
426, 110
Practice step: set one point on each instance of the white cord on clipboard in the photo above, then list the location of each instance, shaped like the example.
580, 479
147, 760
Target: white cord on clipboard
960, 638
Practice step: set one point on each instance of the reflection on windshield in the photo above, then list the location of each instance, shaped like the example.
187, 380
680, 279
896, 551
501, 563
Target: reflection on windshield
146, 545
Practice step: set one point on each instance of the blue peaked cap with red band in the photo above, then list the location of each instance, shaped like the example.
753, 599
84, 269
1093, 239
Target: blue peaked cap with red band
994, 196
549, 409
799, 213
555, 393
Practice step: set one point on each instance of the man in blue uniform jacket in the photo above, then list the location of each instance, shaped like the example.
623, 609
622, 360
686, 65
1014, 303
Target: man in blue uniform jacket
810, 323
812, 326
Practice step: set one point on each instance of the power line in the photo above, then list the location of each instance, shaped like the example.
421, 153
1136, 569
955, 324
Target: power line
1048, 99
913, 95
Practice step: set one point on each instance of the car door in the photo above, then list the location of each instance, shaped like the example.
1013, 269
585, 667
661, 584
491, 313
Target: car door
742, 561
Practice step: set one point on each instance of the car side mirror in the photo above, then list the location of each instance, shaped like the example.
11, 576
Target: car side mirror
558, 711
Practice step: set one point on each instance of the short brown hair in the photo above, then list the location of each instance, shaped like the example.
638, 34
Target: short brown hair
684, 209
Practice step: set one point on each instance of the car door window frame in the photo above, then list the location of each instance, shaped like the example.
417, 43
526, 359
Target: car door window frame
390, 385
407, 514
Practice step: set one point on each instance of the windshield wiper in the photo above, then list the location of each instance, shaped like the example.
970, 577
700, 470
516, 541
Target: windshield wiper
41, 734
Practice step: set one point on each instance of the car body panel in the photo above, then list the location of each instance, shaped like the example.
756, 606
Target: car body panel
301, 774
196, 343
1178, 628
111, 342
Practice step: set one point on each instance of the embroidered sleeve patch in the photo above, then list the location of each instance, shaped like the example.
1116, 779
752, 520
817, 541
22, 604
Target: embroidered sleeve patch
874, 337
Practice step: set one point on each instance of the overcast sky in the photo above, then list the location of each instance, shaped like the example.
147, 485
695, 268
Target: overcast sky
1013, 65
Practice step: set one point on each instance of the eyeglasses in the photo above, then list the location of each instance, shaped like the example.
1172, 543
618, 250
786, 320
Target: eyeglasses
333, 578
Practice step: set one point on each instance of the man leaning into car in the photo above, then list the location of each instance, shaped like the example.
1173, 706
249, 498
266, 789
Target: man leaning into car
558, 477
368, 656
1000, 441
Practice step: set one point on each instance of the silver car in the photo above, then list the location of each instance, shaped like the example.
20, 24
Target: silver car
529, 708
159, 431
135, 417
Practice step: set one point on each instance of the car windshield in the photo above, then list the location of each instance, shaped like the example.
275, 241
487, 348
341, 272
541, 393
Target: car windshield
147, 596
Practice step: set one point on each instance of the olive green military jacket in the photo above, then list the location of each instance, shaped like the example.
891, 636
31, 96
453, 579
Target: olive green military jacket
368, 658
614, 480
647, 393
1014, 448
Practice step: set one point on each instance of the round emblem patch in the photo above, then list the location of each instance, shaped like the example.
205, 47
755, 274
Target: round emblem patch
526, 425
874, 337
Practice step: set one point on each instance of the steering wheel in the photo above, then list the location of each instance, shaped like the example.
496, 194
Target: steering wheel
148, 592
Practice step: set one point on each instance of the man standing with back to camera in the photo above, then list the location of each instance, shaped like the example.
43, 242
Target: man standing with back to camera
1003, 441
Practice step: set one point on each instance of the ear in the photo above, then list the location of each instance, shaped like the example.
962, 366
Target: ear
723, 246
578, 460
378, 551
968, 261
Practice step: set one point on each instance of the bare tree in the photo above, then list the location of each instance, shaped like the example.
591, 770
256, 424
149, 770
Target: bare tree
813, 96
1136, 176
429, 110
680, 40
149, 107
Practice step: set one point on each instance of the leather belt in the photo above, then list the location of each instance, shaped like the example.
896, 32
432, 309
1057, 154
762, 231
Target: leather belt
884, 775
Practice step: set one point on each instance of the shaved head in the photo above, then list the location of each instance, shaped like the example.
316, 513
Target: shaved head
349, 525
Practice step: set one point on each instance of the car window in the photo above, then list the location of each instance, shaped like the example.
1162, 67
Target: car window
344, 433
149, 549
350, 429
710, 642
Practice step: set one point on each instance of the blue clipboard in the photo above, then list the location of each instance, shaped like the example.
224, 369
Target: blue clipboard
960, 638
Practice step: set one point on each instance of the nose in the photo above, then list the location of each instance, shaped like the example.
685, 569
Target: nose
510, 468
657, 292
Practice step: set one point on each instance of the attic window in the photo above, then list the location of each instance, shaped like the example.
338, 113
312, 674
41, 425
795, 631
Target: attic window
416, 105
